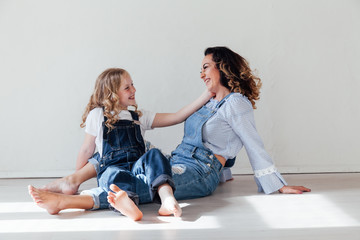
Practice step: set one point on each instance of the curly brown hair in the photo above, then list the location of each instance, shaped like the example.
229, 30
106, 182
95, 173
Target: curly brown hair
235, 73
105, 96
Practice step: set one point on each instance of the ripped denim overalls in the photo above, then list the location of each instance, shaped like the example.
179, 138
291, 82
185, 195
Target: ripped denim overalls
124, 164
196, 170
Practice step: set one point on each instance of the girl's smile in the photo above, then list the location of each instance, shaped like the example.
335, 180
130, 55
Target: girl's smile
126, 92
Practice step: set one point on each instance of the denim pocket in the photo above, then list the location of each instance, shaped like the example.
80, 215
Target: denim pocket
204, 168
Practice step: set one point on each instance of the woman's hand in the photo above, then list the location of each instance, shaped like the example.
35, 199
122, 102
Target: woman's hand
294, 189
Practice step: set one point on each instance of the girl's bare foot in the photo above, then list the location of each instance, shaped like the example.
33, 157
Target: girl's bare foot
121, 202
66, 185
170, 206
48, 200
70, 184
55, 202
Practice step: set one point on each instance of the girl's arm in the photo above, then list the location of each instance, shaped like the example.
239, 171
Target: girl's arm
168, 119
86, 151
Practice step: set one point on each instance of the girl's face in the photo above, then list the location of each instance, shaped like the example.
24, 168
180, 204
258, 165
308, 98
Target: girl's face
126, 92
210, 74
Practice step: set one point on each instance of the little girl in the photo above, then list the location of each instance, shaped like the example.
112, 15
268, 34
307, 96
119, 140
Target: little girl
121, 162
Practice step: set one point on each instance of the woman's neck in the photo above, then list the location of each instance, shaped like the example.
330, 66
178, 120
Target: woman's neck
221, 93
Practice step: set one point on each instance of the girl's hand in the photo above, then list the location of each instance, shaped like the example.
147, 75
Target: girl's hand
206, 95
168, 119
294, 189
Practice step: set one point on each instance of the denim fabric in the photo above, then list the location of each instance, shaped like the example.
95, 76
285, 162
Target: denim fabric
196, 171
125, 165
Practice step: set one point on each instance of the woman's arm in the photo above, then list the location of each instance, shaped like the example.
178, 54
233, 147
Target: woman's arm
86, 151
168, 119
267, 176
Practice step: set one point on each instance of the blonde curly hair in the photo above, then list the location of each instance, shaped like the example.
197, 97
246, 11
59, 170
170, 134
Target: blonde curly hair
105, 96
235, 73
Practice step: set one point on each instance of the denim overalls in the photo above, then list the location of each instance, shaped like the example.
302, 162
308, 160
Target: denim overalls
196, 171
124, 164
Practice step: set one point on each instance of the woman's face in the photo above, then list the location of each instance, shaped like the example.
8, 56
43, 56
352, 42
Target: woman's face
210, 74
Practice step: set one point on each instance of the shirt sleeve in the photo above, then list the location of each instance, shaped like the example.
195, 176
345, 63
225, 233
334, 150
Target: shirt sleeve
240, 117
93, 121
147, 119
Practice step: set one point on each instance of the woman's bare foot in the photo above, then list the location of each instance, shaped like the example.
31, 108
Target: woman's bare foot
66, 185
121, 202
48, 200
55, 202
170, 206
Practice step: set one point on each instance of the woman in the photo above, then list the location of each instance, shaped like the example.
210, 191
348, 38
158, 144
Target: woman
216, 133
213, 135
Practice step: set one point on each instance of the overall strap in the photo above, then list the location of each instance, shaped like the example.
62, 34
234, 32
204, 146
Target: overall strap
134, 115
139, 137
218, 105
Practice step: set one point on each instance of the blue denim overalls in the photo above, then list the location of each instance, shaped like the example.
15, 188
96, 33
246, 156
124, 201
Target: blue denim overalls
196, 171
124, 164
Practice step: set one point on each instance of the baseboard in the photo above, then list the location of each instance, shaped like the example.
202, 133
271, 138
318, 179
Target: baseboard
234, 170
32, 174
300, 170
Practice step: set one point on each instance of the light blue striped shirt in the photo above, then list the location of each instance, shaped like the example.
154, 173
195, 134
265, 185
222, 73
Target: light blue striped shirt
231, 128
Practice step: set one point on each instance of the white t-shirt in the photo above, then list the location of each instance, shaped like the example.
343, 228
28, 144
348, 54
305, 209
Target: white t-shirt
96, 117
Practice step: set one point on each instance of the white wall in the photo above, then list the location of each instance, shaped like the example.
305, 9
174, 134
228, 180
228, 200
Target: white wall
306, 52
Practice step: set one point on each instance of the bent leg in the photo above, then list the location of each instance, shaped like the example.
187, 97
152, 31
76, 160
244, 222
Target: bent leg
193, 178
155, 170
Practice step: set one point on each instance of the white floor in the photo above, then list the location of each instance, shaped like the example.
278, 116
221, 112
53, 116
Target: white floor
234, 211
